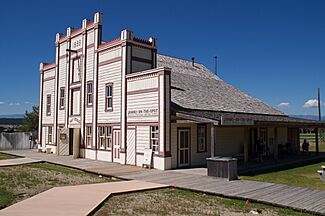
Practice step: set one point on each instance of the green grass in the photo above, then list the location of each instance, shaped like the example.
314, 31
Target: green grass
4, 156
21, 182
305, 176
183, 202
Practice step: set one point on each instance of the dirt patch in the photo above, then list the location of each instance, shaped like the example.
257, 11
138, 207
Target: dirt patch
21, 182
182, 202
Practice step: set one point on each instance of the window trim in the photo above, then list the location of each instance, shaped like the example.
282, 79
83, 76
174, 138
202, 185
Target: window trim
88, 94
62, 105
48, 105
89, 128
99, 137
108, 109
108, 137
49, 141
151, 139
73, 67
197, 141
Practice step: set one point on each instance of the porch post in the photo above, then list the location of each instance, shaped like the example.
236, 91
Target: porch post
246, 143
212, 139
275, 144
316, 140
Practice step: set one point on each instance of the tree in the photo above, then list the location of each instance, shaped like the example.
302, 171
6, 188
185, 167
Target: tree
30, 122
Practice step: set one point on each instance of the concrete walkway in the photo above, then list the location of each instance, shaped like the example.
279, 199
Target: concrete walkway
298, 198
74, 200
17, 161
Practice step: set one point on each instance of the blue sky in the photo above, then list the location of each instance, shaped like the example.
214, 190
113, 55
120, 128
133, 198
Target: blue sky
274, 50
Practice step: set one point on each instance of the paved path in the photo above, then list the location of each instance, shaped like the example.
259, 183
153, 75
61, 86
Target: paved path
74, 200
17, 161
298, 198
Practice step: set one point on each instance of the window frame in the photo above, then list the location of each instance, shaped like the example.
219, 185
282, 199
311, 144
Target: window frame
49, 140
73, 70
90, 96
108, 109
62, 98
205, 138
48, 104
101, 137
109, 138
89, 136
152, 139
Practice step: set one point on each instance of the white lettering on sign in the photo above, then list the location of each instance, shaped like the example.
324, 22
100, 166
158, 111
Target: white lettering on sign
143, 112
76, 44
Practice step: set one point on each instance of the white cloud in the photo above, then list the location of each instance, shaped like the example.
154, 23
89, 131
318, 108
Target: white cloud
27, 102
14, 104
283, 104
1, 102
312, 103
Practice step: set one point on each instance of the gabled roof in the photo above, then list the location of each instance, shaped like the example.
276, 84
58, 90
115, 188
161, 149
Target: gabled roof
197, 88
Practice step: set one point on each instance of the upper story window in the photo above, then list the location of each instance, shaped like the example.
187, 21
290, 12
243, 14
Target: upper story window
154, 136
89, 93
76, 70
75, 101
62, 93
109, 97
201, 138
48, 105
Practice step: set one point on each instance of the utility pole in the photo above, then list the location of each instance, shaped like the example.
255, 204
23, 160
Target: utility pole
319, 104
215, 64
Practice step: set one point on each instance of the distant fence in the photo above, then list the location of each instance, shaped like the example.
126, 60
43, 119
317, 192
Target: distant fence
310, 137
17, 140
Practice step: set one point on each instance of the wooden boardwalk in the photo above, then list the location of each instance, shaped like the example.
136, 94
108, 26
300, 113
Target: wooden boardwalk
299, 198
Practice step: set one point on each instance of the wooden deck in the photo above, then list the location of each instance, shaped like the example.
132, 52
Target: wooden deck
299, 198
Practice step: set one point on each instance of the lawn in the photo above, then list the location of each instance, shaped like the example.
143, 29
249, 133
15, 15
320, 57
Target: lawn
21, 182
183, 202
6, 156
304, 176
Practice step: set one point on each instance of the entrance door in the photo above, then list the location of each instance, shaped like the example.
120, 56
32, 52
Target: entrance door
116, 145
183, 147
130, 147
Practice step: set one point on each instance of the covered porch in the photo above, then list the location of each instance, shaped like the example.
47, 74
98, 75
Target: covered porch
257, 143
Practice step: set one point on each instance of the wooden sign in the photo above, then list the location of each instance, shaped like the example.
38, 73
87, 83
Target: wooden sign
147, 157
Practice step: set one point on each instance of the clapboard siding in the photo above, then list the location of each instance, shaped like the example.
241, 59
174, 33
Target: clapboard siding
110, 73
282, 135
89, 77
111, 54
143, 102
63, 48
90, 37
141, 52
49, 73
140, 66
62, 84
48, 90
146, 82
143, 138
227, 143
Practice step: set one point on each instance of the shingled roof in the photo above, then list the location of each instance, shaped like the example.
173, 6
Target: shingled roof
197, 88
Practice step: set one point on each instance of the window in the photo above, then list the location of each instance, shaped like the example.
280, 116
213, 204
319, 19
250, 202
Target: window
75, 101
49, 134
108, 137
62, 92
109, 97
201, 138
48, 105
76, 70
90, 93
89, 135
101, 132
154, 142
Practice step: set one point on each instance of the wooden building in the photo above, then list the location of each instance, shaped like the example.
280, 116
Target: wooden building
114, 100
